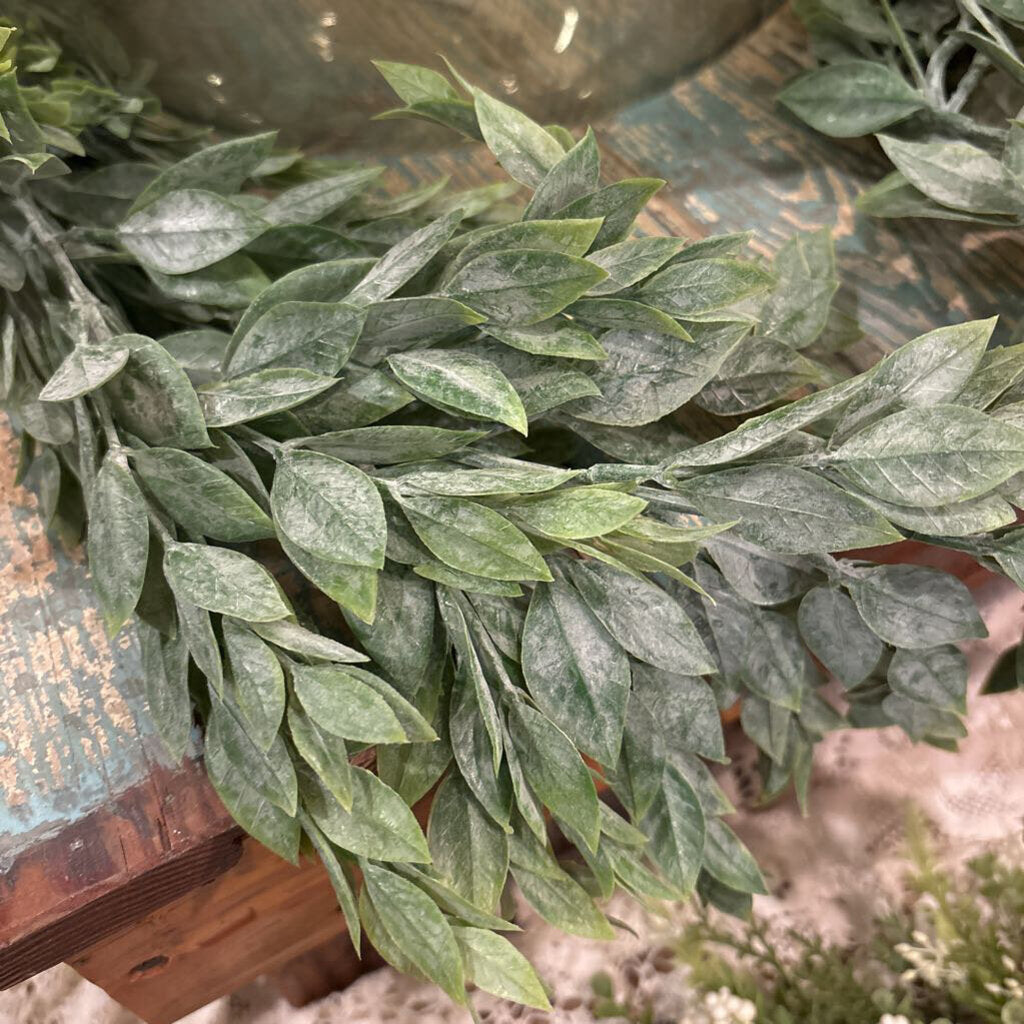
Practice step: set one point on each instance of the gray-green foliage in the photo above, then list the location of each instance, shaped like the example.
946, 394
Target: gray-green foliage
369, 420
941, 85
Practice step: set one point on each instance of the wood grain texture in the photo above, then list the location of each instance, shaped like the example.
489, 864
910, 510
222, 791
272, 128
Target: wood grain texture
96, 826
250, 921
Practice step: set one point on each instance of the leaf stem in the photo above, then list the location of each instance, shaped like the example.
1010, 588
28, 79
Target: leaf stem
905, 48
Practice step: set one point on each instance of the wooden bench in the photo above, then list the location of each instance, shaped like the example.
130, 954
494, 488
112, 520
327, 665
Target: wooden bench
127, 866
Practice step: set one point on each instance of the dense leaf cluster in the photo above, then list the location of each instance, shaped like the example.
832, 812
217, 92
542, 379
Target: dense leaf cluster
498, 438
940, 84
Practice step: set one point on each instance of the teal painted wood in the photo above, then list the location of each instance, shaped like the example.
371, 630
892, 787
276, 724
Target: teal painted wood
74, 730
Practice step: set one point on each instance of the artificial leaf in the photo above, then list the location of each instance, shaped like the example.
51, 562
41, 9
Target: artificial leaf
329, 508
836, 634
200, 497
118, 542
915, 607
463, 382
575, 671
225, 581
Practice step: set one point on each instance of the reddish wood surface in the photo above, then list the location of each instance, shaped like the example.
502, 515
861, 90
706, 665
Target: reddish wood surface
251, 920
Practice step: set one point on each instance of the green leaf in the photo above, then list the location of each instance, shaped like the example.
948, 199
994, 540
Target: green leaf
258, 682
321, 282
395, 323
761, 431
337, 700
554, 338
704, 286
225, 581
932, 456
674, 824
474, 539
957, 174
998, 370
729, 861
761, 576
776, 665
575, 174
936, 676
314, 200
642, 618
797, 309
200, 497
231, 283
412, 769
187, 230
469, 668
269, 772
631, 261
354, 587
467, 847
522, 147
414, 922
473, 750
555, 771
339, 880
405, 259
511, 479
196, 627
153, 399
922, 721
460, 381
855, 97
496, 966
324, 752
388, 445
218, 168
260, 394
293, 637
86, 368
788, 509
379, 823
464, 581
562, 903
413, 83
578, 512
914, 607
962, 519
329, 509
118, 542
165, 678
406, 608
569, 236
237, 784
316, 336
929, 370
523, 286
626, 315
836, 634
618, 206
760, 372
575, 671
684, 708
648, 375
201, 350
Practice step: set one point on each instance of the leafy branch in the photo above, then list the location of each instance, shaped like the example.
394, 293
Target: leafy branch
942, 88
499, 439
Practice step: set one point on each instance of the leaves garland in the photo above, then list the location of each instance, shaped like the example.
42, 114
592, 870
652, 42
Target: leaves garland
474, 427
940, 85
